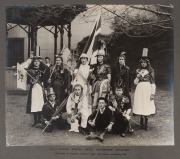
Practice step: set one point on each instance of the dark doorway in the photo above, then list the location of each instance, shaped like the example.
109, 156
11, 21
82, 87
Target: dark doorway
15, 51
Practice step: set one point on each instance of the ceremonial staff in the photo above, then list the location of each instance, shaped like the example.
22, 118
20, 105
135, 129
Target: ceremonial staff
35, 80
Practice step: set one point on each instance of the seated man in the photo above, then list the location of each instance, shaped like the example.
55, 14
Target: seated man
121, 108
48, 113
77, 109
100, 120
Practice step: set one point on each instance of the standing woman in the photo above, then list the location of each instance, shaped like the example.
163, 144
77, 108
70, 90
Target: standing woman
81, 73
36, 95
60, 80
121, 76
145, 90
101, 72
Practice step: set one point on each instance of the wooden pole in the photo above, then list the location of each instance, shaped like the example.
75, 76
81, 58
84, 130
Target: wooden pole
29, 40
55, 41
69, 36
61, 41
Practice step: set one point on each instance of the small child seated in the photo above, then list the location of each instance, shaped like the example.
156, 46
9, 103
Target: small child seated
120, 105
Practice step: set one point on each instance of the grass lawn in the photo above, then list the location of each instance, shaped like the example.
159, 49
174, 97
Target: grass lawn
19, 131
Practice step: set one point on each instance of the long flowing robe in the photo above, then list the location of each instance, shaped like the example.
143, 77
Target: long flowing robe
145, 87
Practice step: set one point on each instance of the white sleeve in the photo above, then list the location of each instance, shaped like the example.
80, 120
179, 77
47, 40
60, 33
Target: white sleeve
153, 88
136, 81
76, 70
68, 105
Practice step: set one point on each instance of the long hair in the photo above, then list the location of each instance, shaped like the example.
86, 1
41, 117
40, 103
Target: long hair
104, 61
117, 65
62, 65
148, 67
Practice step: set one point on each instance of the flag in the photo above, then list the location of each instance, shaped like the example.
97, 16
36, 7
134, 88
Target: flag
91, 47
21, 77
67, 57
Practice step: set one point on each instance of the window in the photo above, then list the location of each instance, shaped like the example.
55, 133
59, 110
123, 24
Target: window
15, 51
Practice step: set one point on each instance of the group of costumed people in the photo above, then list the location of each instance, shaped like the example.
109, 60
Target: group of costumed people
96, 100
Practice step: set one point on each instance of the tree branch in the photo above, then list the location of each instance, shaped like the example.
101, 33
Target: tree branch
140, 24
152, 11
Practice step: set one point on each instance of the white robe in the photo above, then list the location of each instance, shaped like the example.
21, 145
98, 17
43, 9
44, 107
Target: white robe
82, 107
81, 76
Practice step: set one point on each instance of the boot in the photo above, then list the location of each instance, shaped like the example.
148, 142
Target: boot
35, 120
130, 130
141, 122
101, 137
38, 117
91, 136
123, 134
146, 124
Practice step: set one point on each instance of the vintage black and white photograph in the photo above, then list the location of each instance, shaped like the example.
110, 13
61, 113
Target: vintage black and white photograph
89, 75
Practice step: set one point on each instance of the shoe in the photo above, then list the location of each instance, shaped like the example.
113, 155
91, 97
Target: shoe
141, 122
123, 134
70, 130
76, 131
130, 130
146, 124
48, 131
146, 128
34, 124
101, 137
91, 136
39, 125
83, 130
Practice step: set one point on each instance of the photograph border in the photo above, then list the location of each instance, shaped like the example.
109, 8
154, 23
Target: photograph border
54, 152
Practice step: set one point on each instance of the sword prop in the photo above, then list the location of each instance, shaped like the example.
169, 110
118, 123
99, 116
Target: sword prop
56, 112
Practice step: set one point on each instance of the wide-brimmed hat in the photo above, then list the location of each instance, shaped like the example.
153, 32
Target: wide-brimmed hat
83, 55
58, 55
36, 57
50, 91
145, 56
101, 53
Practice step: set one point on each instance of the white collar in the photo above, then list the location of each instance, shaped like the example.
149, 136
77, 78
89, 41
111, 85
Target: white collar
102, 110
52, 103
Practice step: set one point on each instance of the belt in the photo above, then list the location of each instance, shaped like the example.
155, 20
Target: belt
144, 81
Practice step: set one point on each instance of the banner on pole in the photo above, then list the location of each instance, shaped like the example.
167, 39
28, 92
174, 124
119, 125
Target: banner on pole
21, 77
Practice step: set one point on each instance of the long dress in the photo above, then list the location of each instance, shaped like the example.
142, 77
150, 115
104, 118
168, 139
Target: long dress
82, 79
100, 72
145, 87
60, 81
82, 76
121, 77
36, 95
